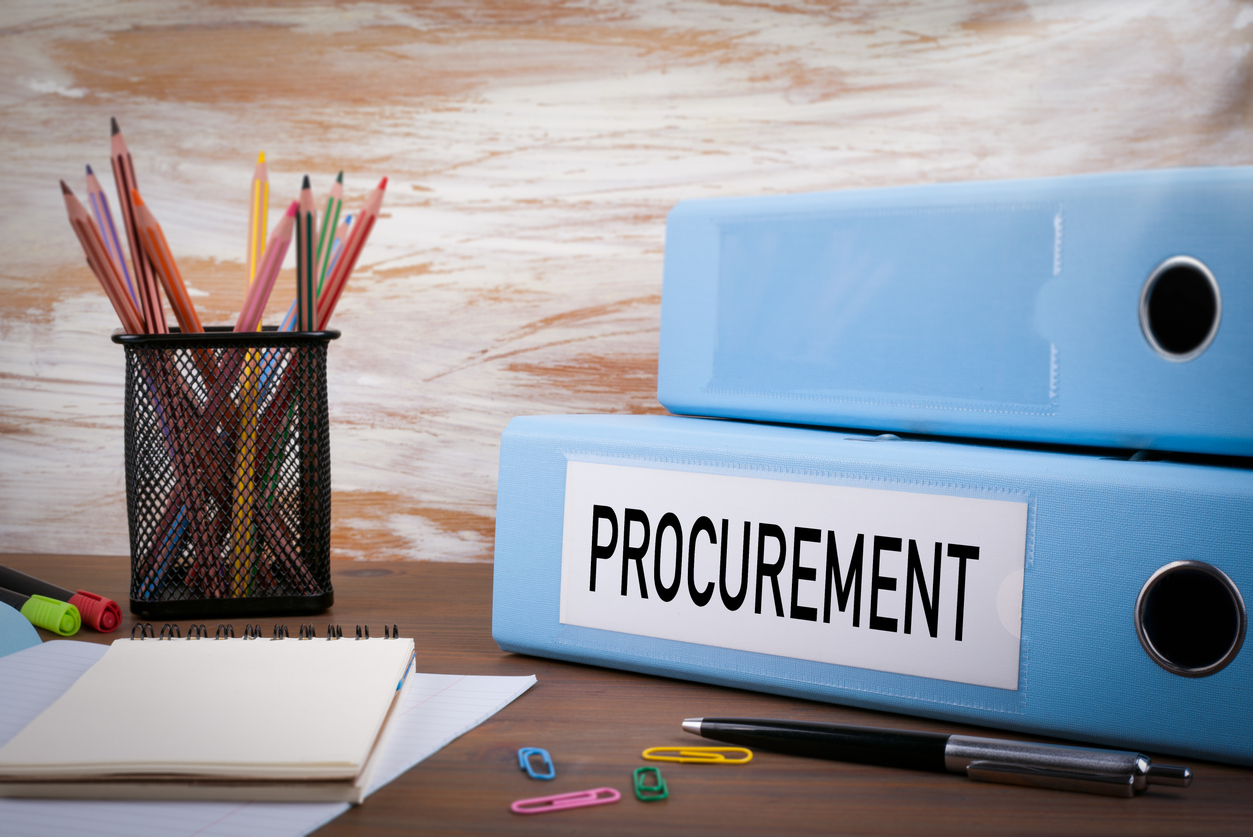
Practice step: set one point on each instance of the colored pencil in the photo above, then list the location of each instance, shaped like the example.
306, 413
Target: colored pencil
259, 294
158, 250
252, 399
258, 217
242, 532
306, 261
101, 265
124, 177
347, 260
337, 247
108, 231
330, 223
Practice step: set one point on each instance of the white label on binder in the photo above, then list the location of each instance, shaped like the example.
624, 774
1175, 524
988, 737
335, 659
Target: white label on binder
897, 581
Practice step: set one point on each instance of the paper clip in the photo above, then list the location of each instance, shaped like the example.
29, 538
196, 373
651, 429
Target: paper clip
698, 755
564, 801
524, 761
645, 792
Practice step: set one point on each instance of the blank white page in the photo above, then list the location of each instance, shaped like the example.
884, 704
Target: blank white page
287, 709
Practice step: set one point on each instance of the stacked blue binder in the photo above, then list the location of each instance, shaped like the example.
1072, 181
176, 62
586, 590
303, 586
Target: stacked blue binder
1021, 577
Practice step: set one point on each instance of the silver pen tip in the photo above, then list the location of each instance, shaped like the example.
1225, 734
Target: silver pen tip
1165, 774
692, 725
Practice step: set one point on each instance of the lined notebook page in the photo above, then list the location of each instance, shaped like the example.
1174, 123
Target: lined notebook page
232, 708
31, 679
437, 709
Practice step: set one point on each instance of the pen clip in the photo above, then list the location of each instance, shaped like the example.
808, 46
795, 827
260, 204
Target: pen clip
1106, 784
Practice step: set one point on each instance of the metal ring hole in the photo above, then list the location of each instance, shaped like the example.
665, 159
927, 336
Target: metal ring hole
1190, 618
1180, 308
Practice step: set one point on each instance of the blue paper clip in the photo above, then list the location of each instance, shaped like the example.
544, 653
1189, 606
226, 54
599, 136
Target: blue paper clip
524, 761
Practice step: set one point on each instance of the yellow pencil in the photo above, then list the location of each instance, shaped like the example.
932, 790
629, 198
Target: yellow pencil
244, 551
258, 217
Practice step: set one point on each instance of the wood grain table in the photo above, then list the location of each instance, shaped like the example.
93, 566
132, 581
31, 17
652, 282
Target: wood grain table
595, 722
534, 148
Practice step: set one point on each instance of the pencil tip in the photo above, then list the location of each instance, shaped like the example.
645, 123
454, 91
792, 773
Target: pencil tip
65, 190
136, 198
261, 158
306, 184
89, 171
383, 183
113, 123
291, 210
339, 178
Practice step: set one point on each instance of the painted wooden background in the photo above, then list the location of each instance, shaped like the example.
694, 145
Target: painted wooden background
534, 150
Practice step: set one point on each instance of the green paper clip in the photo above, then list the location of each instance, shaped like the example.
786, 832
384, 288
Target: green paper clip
52, 615
645, 792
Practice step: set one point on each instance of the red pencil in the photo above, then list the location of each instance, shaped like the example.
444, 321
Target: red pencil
357, 236
124, 176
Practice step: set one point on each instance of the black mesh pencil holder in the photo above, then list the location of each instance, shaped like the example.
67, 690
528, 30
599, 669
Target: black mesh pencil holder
228, 473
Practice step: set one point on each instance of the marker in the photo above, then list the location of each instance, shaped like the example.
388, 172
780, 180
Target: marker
99, 614
1082, 769
50, 614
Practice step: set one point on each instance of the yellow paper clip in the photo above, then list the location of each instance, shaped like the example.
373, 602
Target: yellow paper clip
698, 755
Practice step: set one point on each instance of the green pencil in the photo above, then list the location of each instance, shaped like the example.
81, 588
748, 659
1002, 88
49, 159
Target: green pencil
330, 220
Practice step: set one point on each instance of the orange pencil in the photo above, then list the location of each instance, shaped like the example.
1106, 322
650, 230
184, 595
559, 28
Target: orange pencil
158, 250
124, 176
357, 236
101, 263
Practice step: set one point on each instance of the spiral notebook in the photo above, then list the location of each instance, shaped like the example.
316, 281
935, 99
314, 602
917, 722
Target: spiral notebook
227, 719
436, 710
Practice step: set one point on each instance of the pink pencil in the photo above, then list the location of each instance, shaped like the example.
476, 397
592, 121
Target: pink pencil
103, 266
267, 272
357, 237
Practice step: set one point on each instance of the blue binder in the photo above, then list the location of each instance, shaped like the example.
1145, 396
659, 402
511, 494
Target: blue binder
1112, 310
887, 574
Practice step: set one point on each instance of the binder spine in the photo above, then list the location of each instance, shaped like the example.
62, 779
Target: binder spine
1097, 534
1111, 310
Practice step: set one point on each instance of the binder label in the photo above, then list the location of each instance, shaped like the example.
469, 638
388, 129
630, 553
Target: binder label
886, 579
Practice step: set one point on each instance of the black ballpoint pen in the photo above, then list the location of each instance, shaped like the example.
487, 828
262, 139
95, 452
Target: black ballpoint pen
1083, 769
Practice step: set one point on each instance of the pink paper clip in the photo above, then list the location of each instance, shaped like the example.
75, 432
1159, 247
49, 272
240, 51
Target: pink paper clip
564, 801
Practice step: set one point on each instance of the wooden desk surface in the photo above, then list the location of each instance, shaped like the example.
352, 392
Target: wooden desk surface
596, 721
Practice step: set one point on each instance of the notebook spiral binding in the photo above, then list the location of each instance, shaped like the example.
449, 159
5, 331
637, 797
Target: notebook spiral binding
143, 630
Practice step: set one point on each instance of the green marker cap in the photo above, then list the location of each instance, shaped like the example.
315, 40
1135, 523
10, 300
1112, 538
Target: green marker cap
52, 615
